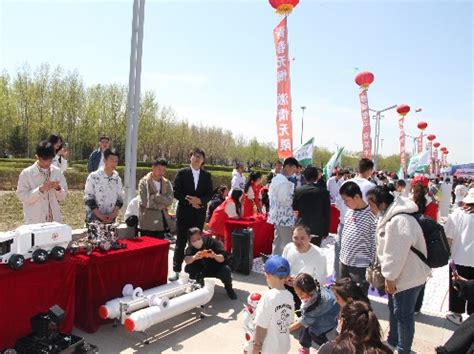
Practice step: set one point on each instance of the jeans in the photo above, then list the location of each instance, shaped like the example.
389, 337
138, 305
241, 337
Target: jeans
402, 319
419, 300
357, 274
307, 335
337, 252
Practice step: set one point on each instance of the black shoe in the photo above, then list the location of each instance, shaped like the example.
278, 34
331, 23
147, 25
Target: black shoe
231, 293
174, 277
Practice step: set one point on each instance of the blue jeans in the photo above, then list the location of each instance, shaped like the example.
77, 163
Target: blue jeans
337, 252
402, 319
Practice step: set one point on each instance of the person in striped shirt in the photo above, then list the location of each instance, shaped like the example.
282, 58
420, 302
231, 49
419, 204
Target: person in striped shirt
358, 236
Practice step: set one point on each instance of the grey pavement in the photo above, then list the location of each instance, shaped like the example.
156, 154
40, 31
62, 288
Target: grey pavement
220, 331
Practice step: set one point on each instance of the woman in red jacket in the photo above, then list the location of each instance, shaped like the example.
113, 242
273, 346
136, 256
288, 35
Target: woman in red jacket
252, 194
230, 209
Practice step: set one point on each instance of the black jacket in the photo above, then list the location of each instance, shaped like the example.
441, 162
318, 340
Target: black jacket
313, 206
184, 185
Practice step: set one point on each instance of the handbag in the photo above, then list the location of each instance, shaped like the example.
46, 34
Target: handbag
375, 277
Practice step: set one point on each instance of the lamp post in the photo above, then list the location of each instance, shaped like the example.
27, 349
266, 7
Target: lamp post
302, 120
378, 116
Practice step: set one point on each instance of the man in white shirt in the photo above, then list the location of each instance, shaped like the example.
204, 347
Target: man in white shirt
281, 213
41, 187
304, 257
103, 191
446, 190
460, 192
333, 185
238, 179
366, 168
460, 233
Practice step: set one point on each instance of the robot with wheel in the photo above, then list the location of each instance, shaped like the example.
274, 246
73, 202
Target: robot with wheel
37, 242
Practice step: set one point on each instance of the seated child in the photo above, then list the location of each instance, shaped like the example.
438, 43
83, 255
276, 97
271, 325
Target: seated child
275, 310
319, 312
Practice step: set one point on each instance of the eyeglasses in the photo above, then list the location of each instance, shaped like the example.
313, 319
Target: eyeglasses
198, 156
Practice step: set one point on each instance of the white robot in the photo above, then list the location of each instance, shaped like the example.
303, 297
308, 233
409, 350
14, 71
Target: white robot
249, 316
37, 242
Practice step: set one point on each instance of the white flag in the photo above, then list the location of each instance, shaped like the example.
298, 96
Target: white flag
304, 154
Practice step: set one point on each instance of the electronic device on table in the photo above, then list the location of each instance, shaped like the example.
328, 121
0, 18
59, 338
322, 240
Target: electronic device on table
47, 339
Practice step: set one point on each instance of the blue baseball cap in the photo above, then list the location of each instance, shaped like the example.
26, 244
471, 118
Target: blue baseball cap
277, 265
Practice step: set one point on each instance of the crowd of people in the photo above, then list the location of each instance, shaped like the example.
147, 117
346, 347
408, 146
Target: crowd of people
377, 227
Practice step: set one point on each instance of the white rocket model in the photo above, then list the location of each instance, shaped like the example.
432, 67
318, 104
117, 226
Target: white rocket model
136, 299
147, 317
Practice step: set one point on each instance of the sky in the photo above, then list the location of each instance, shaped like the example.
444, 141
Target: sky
214, 61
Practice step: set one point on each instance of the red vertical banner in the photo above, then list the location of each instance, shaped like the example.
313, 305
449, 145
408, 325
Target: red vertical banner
366, 138
420, 143
283, 118
435, 162
403, 161
430, 143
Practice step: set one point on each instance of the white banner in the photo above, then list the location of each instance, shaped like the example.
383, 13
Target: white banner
304, 154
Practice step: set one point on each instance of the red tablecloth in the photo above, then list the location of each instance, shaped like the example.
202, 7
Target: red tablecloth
101, 276
31, 290
333, 219
262, 231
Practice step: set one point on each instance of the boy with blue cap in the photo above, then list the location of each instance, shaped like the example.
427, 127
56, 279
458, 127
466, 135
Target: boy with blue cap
275, 310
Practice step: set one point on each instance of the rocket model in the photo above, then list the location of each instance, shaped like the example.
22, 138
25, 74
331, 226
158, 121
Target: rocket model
136, 299
143, 319
138, 310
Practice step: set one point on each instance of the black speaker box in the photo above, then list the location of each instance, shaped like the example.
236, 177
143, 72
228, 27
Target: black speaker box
242, 250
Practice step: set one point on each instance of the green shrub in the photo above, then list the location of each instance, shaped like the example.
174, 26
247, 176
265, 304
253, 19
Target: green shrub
76, 176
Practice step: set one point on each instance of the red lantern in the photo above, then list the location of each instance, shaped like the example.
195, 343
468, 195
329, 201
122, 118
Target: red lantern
436, 145
431, 137
403, 109
422, 125
284, 7
364, 79
443, 149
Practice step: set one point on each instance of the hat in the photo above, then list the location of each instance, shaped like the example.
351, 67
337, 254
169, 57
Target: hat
469, 198
424, 181
277, 265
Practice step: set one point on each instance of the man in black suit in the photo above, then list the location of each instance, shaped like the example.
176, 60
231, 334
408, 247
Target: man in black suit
313, 205
193, 190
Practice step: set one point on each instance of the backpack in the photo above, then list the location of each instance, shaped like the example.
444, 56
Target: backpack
437, 246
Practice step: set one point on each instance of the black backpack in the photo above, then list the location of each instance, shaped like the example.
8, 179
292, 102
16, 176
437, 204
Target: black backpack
436, 242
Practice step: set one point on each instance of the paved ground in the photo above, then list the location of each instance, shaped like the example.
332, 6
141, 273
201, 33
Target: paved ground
220, 331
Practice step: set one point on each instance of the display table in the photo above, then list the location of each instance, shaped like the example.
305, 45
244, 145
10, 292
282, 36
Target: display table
262, 231
333, 219
101, 276
31, 290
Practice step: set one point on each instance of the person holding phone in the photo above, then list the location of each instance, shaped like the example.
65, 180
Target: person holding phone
41, 187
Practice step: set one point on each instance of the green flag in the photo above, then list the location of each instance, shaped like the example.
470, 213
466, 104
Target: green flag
333, 162
304, 154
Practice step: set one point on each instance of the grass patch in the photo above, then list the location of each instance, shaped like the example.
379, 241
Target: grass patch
72, 209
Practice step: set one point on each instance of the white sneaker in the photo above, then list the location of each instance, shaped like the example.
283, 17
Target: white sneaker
454, 318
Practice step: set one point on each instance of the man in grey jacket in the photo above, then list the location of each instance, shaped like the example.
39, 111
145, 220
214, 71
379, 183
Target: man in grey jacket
96, 160
155, 194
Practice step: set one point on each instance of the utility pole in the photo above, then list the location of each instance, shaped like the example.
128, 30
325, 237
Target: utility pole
133, 100
302, 120
378, 116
